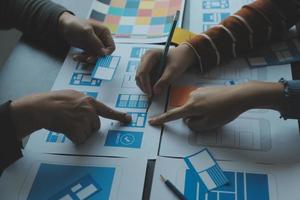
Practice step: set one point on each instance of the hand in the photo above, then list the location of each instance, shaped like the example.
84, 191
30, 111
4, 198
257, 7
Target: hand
178, 61
66, 111
212, 107
89, 35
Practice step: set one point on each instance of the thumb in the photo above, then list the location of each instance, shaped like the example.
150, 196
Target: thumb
164, 81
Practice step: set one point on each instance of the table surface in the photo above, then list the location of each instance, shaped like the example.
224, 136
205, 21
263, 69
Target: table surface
33, 68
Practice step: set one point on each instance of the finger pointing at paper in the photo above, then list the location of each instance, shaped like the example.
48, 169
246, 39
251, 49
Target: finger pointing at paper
207, 108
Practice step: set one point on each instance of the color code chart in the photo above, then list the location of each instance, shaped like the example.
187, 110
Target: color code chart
137, 19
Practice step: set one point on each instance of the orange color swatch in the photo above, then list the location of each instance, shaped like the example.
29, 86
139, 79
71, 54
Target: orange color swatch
180, 95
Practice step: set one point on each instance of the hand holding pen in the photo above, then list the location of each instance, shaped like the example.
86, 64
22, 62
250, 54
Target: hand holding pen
153, 81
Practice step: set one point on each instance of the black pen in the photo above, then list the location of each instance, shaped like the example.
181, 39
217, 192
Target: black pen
161, 68
172, 187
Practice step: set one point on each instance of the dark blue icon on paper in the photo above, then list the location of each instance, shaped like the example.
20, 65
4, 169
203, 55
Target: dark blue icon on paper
128, 139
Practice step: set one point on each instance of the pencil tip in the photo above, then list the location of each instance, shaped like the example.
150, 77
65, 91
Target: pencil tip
162, 178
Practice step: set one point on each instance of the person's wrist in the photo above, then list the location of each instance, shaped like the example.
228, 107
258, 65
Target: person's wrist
23, 118
189, 55
262, 95
64, 20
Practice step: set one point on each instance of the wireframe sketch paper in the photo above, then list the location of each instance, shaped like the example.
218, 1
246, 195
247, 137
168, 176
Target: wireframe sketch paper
42, 176
205, 170
247, 181
257, 135
147, 21
105, 67
114, 139
205, 14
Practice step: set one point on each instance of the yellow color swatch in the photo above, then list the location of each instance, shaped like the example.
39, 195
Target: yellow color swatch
160, 12
143, 20
182, 35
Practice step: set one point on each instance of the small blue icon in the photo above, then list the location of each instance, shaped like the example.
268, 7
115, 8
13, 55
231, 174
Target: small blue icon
139, 101
67, 182
127, 139
84, 79
55, 138
91, 94
132, 66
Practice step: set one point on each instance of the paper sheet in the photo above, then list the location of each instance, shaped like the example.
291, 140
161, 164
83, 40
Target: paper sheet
207, 13
41, 176
256, 135
138, 21
122, 93
248, 181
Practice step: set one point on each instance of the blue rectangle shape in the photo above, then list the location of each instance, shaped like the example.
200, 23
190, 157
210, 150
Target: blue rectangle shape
53, 138
125, 29
227, 196
127, 139
192, 185
132, 4
240, 186
130, 12
92, 94
212, 196
208, 17
115, 11
97, 16
158, 21
46, 184
257, 186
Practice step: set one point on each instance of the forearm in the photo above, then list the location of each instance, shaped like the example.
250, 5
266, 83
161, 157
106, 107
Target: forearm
283, 97
10, 145
250, 27
34, 17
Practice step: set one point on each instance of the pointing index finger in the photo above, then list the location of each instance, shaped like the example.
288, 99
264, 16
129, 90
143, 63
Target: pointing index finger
107, 112
171, 115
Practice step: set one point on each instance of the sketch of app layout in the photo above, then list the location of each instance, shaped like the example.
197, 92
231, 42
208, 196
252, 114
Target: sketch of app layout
242, 133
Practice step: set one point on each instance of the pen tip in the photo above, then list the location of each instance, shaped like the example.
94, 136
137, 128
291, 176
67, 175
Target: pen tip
162, 178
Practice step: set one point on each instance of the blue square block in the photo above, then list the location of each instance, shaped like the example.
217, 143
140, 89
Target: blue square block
227, 196
130, 12
158, 20
127, 139
115, 11
125, 29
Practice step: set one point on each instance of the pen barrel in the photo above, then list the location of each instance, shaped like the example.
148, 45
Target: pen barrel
175, 191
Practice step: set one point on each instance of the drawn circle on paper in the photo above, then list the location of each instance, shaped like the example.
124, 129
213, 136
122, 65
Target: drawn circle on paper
127, 139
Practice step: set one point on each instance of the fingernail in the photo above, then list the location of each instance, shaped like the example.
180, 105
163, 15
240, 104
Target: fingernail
128, 118
89, 59
151, 121
75, 57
